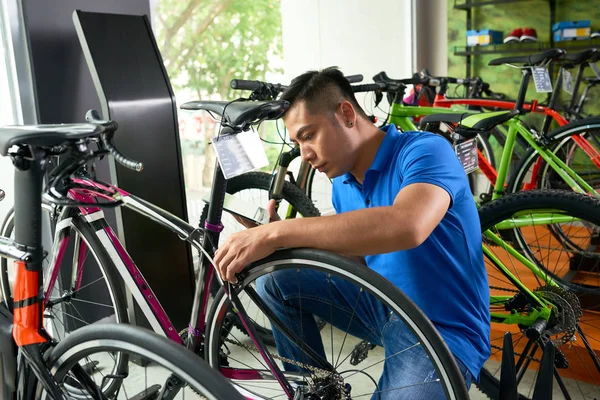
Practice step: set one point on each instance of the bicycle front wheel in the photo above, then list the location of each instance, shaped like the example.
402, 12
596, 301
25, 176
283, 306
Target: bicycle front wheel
332, 363
566, 280
82, 361
254, 187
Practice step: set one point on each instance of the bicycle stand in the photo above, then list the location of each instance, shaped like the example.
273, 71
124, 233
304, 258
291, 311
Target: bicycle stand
508, 373
543, 385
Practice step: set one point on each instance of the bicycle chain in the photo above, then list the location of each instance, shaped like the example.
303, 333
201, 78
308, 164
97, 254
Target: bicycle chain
319, 374
284, 359
504, 289
318, 371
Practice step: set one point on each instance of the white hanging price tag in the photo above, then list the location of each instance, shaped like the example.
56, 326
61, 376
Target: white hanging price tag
467, 155
239, 153
567, 81
541, 78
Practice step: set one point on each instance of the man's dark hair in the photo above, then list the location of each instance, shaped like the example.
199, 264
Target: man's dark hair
322, 91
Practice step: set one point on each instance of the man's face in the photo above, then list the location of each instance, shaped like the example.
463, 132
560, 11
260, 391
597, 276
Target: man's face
322, 139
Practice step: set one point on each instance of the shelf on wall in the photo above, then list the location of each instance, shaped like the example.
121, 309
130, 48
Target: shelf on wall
525, 47
472, 4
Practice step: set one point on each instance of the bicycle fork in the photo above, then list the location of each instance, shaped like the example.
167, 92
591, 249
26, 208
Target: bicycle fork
278, 179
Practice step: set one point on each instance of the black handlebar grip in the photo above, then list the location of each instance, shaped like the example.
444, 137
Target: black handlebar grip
243, 84
110, 127
369, 87
536, 329
121, 159
354, 78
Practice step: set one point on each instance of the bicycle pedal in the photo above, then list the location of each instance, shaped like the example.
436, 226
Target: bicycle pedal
90, 366
150, 393
361, 352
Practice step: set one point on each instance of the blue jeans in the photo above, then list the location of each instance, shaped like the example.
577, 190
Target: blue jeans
296, 296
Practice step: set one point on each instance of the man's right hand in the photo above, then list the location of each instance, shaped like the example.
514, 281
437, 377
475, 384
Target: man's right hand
273, 216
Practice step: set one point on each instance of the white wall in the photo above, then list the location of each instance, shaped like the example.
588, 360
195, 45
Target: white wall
359, 36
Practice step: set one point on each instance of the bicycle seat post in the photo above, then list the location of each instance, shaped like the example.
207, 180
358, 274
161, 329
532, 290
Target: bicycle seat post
576, 84
523, 89
28, 206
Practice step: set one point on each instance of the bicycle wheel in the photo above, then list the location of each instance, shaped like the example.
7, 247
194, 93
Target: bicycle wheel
346, 367
79, 364
574, 324
253, 187
79, 290
534, 173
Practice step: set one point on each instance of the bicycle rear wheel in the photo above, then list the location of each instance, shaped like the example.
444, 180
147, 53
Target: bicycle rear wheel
574, 323
79, 364
347, 367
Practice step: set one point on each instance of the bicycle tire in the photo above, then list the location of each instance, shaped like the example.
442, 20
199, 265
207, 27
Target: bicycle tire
141, 343
290, 193
262, 181
558, 139
107, 270
568, 304
334, 265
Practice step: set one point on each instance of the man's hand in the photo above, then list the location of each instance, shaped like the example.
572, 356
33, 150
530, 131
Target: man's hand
246, 246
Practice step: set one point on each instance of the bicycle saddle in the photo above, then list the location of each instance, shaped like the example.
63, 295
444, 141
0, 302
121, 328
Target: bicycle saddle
470, 125
589, 55
44, 135
530, 60
241, 113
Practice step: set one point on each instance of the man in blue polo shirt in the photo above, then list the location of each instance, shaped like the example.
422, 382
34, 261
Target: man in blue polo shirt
407, 196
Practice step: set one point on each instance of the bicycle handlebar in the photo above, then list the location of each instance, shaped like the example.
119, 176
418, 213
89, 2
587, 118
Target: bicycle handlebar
244, 84
369, 87
354, 78
110, 127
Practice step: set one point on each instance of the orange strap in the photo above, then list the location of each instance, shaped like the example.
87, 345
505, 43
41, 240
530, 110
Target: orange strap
27, 306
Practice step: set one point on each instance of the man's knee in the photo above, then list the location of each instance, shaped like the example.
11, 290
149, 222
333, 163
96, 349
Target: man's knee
265, 286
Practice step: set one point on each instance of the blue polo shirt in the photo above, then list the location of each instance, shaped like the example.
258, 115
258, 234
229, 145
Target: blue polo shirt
445, 276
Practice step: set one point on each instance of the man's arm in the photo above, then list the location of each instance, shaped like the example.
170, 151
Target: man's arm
417, 210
